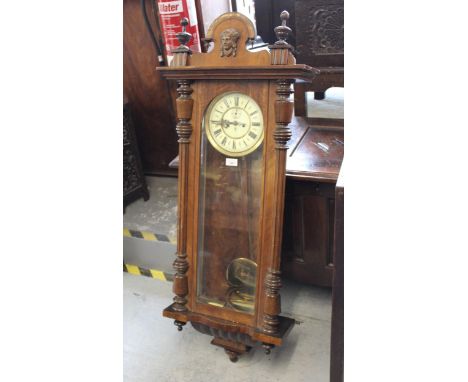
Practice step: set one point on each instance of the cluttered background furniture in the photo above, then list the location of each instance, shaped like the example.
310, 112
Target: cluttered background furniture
318, 38
314, 159
134, 183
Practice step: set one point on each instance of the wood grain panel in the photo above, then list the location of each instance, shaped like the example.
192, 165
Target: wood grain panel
308, 232
317, 151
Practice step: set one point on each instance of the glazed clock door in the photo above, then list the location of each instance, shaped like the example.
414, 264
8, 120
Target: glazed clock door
230, 195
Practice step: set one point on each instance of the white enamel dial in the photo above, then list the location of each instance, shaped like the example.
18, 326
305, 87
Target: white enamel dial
234, 124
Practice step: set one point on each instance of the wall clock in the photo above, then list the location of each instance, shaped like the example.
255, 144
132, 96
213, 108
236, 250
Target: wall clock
233, 111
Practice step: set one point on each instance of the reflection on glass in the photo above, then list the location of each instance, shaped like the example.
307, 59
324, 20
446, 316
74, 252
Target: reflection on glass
229, 223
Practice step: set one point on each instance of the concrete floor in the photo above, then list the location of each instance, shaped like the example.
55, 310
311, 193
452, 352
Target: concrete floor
156, 215
155, 351
159, 213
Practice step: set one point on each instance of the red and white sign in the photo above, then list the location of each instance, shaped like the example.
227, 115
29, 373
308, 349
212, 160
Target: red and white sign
170, 14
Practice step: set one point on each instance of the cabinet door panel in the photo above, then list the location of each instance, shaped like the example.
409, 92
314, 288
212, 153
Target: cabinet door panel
308, 233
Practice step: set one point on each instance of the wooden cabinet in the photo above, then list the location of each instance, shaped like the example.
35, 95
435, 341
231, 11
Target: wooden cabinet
308, 232
314, 160
320, 43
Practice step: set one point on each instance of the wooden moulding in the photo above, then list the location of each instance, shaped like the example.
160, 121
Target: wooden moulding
270, 72
285, 324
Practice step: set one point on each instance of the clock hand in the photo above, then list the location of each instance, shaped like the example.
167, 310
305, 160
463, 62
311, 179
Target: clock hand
235, 123
222, 123
218, 123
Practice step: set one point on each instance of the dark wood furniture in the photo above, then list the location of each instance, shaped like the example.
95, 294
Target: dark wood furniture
312, 172
328, 77
314, 160
267, 79
320, 43
318, 39
337, 329
148, 93
319, 32
134, 183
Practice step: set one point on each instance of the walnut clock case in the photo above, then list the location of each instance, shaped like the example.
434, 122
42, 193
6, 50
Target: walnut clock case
233, 111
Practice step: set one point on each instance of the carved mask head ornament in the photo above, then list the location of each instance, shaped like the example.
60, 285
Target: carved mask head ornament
229, 40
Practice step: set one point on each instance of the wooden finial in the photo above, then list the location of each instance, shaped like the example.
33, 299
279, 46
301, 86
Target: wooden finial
182, 51
281, 50
184, 36
282, 31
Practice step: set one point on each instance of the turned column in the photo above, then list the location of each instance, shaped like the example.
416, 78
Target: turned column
184, 104
184, 130
282, 134
284, 106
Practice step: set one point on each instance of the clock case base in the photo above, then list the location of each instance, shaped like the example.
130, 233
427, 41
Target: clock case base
234, 338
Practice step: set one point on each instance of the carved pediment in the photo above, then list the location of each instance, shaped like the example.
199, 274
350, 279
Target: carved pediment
229, 36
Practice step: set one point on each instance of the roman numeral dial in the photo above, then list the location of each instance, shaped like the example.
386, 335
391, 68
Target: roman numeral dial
233, 124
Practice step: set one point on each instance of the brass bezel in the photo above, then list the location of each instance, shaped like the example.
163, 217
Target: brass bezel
213, 141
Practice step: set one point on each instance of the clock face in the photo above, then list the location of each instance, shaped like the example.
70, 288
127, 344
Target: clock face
234, 124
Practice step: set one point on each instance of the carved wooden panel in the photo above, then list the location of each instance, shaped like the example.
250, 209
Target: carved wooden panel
320, 32
134, 184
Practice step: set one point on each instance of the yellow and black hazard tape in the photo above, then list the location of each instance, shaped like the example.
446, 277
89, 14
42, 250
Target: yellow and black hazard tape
153, 273
148, 236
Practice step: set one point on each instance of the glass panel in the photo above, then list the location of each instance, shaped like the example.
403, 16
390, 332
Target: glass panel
229, 226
